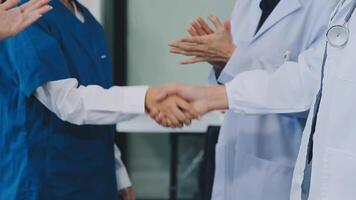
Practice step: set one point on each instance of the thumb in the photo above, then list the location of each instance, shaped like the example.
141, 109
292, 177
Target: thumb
166, 91
227, 25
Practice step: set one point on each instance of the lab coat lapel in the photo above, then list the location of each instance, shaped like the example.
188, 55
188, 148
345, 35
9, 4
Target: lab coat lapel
253, 19
283, 9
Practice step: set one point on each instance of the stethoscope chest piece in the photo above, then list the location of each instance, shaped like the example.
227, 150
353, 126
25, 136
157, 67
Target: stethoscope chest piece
338, 36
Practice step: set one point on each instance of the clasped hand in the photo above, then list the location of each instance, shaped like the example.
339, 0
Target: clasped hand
176, 105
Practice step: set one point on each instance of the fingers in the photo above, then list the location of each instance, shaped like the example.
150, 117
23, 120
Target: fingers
34, 16
185, 53
198, 28
227, 25
204, 26
159, 93
7, 5
192, 31
196, 40
175, 113
185, 106
33, 5
188, 116
217, 23
194, 60
189, 48
174, 122
180, 116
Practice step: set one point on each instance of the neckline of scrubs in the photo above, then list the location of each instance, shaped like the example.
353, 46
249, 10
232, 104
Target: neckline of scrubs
78, 29
70, 15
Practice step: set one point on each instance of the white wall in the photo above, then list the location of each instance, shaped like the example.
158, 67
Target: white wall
95, 8
152, 25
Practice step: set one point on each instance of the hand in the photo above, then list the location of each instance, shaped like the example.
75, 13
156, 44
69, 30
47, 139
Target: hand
214, 47
203, 98
127, 194
174, 112
196, 95
153, 96
15, 19
199, 28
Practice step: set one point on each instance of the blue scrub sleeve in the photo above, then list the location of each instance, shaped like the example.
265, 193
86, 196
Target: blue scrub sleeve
37, 57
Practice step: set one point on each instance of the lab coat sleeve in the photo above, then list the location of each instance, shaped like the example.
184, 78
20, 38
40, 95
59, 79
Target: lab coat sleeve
122, 178
92, 104
290, 89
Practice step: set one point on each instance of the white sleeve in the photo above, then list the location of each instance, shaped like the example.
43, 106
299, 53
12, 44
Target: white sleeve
122, 177
93, 104
289, 89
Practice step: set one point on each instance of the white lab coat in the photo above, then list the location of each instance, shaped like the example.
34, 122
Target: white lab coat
256, 153
334, 161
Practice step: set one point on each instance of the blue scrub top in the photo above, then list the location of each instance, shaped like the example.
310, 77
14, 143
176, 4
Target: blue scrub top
42, 157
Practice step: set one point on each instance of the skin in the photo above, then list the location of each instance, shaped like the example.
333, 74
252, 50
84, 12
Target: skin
15, 19
175, 110
205, 44
127, 194
204, 99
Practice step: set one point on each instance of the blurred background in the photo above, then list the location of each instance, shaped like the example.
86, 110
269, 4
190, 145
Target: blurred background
163, 164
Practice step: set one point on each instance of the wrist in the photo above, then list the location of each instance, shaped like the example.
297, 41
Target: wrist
216, 97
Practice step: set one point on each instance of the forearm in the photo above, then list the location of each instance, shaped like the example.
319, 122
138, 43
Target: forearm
94, 105
288, 90
216, 97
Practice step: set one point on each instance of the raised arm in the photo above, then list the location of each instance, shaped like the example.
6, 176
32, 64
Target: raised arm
15, 19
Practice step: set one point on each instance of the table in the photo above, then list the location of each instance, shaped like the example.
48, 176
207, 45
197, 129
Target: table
208, 125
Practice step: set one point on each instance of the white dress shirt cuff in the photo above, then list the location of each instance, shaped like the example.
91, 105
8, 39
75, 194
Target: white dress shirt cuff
135, 97
122, 178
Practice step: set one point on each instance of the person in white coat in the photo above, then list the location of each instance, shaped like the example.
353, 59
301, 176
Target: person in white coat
326, 162
256, 153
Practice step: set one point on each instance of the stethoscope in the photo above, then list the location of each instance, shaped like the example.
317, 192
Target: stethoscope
338, 36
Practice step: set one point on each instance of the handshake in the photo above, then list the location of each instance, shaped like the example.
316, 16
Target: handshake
176, 105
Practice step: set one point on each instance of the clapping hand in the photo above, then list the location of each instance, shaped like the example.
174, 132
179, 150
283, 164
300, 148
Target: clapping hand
15, 19
205, 44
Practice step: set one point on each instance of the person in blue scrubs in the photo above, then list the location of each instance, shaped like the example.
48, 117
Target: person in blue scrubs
42, 157
55, 80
